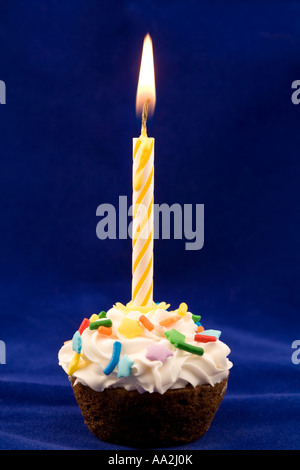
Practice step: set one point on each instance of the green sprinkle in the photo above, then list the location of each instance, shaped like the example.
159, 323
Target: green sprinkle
190, 348
102, 314
174, 336
178, 340
94, 325
196, 318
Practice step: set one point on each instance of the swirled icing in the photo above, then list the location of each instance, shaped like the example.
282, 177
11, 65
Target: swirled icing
176, 370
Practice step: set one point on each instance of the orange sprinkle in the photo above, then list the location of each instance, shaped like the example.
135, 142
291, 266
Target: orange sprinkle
147, 323
105, 330
69, 341
199, 329
169, 321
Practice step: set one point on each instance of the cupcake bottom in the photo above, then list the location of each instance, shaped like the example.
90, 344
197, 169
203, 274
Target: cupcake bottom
146, 420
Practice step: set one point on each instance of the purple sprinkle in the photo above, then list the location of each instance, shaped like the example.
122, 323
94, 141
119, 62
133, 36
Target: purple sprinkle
158, 352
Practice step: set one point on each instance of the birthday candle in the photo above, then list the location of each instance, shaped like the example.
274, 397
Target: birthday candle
143, 187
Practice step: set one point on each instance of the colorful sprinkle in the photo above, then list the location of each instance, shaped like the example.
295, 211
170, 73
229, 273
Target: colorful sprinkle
182, 309
174, 336
190, 348
130, 328
130, 307
95, 324
102, 314
216, 333
169, 321
158, 352
124, 366
205, 338
77, 342
94, 317
84, 324
178, 340
74, 364
105, 330
114, 358
146, 322
200, 328
196, 318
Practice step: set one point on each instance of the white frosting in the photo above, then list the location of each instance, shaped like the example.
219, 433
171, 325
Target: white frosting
176, 371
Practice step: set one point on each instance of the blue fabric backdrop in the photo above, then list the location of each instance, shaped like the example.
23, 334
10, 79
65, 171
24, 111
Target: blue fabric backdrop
227, 136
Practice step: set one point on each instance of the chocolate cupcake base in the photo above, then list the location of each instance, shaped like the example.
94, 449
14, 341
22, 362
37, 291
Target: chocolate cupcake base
148, 420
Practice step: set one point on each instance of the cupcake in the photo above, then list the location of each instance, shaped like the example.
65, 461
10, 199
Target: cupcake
146, 376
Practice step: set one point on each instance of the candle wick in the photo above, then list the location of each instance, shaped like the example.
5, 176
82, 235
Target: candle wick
144, 117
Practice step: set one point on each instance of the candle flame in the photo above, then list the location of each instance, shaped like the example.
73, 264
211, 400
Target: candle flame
146, 84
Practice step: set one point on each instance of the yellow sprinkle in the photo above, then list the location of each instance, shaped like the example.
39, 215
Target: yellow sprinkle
182, 309
94, 317
120, 306
129, 307
130, 328
83, 364
74, 364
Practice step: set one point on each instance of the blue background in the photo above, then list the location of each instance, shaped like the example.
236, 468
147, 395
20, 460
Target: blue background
227, 136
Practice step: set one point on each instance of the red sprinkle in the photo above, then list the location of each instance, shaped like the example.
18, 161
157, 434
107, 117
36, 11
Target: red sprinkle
85, 323
205, 338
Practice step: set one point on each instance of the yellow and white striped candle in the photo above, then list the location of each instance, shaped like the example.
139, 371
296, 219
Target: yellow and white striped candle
142, 225
143, 186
